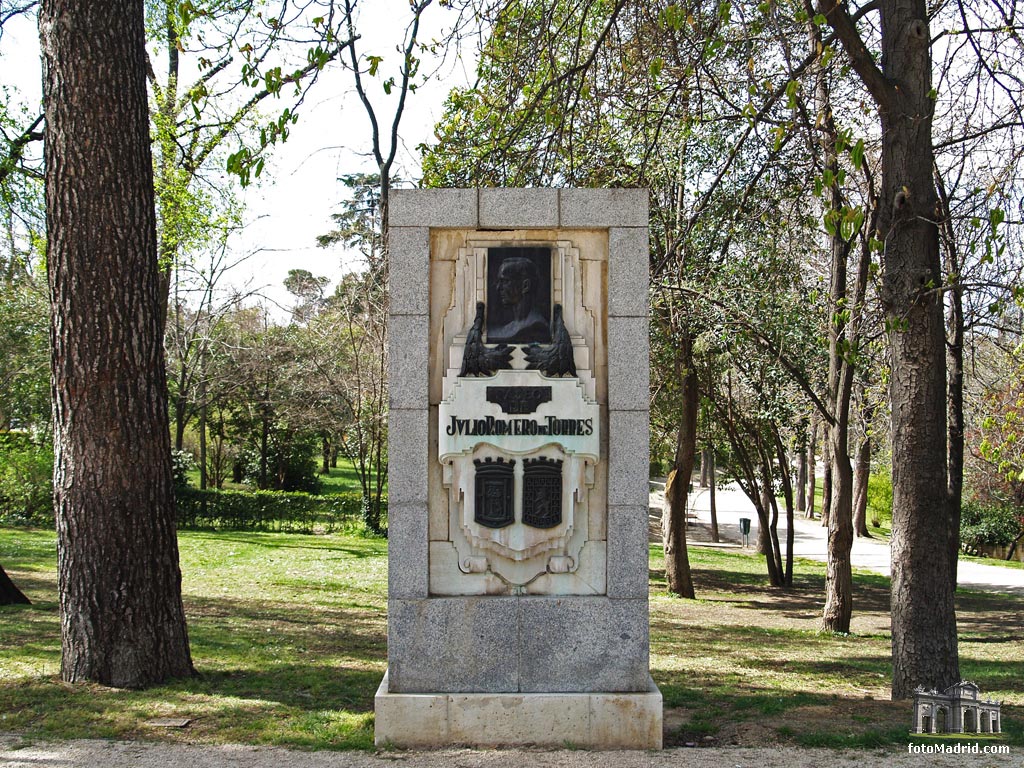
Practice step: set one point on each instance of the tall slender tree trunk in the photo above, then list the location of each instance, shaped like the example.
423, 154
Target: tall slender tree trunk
764, 537
325, 455
677, 561
839, 570
861, 478
263, 481
787, 496
955, 378
767, 531
837, 512
826, 480
812, 469
801, 479
707, 463
203, 459
924, 641
712, 503
119, 583
204, 406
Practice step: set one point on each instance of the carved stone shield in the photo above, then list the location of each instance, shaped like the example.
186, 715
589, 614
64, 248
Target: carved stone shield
542, 492
494, 483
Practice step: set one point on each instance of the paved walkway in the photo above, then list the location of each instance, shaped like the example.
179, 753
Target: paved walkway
810, 540
122, 754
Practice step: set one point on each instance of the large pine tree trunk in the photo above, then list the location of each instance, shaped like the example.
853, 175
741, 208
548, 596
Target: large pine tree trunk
119, 583
924, 641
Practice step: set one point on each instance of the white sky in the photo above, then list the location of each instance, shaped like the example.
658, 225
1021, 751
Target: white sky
292, 202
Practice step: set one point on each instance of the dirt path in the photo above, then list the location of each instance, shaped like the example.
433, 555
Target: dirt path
116, 754
810, 540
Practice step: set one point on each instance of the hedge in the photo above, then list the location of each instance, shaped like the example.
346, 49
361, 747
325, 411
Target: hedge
988, 525
268, 511
26, 481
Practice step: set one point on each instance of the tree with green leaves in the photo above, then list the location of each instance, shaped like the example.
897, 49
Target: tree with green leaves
345, 346
24, 355
923, 615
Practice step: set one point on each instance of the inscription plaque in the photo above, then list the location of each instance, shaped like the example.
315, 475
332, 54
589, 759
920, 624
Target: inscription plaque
518, 400
542, 492
493, 486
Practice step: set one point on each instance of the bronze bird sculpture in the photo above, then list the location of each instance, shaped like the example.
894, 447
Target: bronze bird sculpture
477, 358
557, 358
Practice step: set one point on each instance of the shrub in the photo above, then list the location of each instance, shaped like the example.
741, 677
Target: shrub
277, 511
181, 464
988, 524
879, 498
26, 480
291, 464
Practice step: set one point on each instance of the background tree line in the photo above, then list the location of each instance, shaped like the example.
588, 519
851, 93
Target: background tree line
836, 209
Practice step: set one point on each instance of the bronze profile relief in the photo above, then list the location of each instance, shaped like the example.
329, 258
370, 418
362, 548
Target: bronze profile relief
519, 295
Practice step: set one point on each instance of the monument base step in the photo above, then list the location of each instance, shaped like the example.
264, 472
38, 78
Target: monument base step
592, 720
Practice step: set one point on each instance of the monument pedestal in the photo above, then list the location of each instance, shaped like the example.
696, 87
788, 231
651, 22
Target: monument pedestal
518, 442
590, 720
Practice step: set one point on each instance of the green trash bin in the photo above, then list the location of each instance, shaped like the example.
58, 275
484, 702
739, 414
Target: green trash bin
745, 530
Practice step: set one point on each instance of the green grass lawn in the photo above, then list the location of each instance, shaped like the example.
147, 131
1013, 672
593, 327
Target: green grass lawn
340, 479
288, 634
993, 561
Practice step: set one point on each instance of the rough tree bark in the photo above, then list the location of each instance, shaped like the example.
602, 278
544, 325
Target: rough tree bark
924, 641
119, 583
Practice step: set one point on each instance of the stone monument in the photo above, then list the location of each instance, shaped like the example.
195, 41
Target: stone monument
518, 461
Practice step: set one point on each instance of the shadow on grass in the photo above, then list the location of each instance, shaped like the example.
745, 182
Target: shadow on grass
309, 541
303, 686
310, 705
233, 629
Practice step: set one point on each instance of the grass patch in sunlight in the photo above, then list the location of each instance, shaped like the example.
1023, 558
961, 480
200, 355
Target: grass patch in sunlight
288, 633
